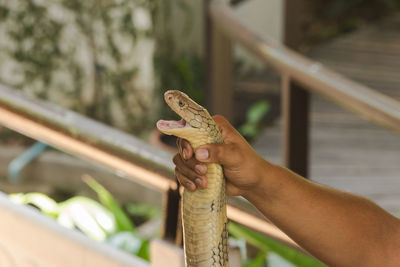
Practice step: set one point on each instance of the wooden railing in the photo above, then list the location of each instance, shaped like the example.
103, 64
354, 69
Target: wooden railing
129, 157
299, 77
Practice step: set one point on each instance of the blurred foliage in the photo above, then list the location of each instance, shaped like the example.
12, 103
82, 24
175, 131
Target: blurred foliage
141, 212
176, 68
184, 73
44, 203
252, 127
334, 17
122, 220
98, 58
105, 221
266, 245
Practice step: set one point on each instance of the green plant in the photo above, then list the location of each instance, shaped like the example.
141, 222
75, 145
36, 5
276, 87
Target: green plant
177, 67
184, 72
105, 221
142, 212
252, 127
44, 203
123, 222
266, 245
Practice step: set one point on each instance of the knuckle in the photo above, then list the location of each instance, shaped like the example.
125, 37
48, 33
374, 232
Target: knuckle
218, 117
184, 181
221, 121
181, 177
186, 143
185, 170
177, 173
176, 158
219, 152
191, 163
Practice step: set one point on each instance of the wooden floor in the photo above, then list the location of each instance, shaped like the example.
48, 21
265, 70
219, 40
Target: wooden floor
348, 152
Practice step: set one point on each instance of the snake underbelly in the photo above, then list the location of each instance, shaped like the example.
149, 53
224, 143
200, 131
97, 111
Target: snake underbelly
204, 222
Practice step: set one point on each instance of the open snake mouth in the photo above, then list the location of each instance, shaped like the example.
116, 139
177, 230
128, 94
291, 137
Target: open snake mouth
169, 125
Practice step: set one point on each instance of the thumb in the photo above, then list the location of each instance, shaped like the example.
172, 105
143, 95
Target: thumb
224, 154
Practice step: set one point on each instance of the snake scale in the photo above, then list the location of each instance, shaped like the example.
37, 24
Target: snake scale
204, 210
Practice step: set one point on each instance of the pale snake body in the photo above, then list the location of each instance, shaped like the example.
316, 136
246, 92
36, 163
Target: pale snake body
204, 210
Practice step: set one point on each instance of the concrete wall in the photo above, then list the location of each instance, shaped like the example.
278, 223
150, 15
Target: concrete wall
265, 17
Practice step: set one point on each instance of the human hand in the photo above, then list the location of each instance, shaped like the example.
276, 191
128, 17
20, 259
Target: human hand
243, 167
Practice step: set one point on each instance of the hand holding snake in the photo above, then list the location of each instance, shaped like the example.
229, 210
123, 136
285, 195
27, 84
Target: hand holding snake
241, 164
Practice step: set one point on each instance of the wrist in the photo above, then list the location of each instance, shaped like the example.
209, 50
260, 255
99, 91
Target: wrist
264, 186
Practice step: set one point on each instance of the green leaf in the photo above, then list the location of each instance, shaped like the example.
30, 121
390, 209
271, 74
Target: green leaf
87, 215
130, 243
257, 111
44, 203
127, 241
144, 251
105, 197
143, 209
249, 130
265, 244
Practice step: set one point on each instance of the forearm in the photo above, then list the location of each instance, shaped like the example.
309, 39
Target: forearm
339, 228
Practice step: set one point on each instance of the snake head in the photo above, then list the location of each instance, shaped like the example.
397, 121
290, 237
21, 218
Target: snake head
195, 122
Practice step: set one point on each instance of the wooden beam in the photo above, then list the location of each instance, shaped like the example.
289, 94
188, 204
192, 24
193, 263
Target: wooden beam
29, 238
218, 69
296, 14
295, 116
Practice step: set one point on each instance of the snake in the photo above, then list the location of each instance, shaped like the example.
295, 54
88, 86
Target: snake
204, 218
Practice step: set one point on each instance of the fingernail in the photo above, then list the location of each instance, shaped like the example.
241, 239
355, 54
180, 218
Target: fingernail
184, 152
201, 169
198, 182
202, 153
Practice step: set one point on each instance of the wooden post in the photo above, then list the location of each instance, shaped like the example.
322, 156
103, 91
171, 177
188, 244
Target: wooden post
171, 224
295, 99
295, 115
296, 13
218, 55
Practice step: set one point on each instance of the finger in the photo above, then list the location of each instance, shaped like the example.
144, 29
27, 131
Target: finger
190, 171
192, 163
185, 149
224, 126
224, 154
184, 181
179, 146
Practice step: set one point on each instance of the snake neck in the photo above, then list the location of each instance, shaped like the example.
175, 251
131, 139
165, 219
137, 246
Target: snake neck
197, 139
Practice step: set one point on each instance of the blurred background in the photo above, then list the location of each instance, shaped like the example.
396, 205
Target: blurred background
112, 60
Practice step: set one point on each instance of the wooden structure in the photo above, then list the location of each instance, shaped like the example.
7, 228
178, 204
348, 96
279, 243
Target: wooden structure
299, 77
151, 167
349, 152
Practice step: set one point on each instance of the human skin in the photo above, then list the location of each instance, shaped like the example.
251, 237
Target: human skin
338, 228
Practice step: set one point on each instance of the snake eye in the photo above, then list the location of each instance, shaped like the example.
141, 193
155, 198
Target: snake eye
181, 104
